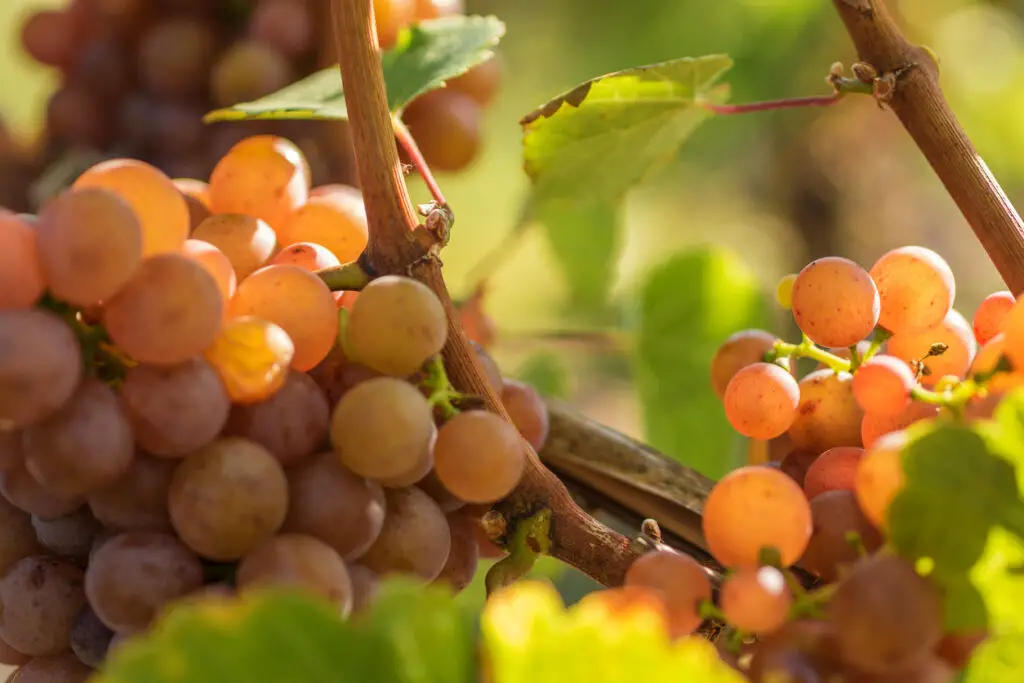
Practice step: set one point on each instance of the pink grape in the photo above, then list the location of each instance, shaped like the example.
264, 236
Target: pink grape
916, 288
835, 302
988, 317
883, 385
761, 401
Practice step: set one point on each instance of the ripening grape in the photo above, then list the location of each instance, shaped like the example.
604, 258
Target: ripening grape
493, 375
247, 242
336, 375
883, 384
415, 538
78, 116
227, 497
252, 357
321, 492
755, 600
953, 331
175, 409
82, 447
391, 17
828, 415
90, 638
70, 536
300, 562
137, 501
40, 366
364, 587
796, 463
24, 492
292, 424
444, 498
875, 425
247, 71
41, 598
216, 263
1013, 328
175, 56
479, 456
296, 300
381, 428
21, 277
62, 668
916, 288
336, 221
835, 302
196, 189
17, 535
157, 203
446, 125
527, 410
784, 291
836, 517
743, 348
754, 508
761, 401
880, 477
464, 554
989, 316
306, 255
265, 177
887, 617
285, 25
836, 468
481, 82
395, 325
423, 466
48, 36
133, 575
169, 311
11, 657
680, 581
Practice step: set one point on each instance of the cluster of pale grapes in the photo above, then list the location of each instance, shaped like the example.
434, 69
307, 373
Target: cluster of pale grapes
900, 354
188, 412
137, 76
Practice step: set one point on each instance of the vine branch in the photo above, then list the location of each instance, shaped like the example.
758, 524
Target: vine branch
576, 538
919, 103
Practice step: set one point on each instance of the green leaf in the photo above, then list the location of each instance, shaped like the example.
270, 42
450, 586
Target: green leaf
687, 308
530, 637
546, 373
413, 634
426, 56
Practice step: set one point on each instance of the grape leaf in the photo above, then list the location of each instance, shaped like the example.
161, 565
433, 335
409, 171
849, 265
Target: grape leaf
424, 58
687, 308
530, 637
586, 148
413, 634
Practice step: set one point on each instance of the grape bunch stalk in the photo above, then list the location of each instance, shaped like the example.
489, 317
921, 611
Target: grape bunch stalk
188, 412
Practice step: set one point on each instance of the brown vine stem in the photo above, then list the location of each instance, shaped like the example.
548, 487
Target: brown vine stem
576, 538
924, 112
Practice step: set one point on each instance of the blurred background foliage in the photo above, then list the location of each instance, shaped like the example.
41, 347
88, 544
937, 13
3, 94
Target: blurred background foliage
776, 189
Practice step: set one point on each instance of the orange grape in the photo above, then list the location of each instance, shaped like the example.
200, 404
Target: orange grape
479, 456
247, 242
756, 600
875, 425
481, 82
679, 580
754, 508
834, 469
296, 300
216, 263
916, 288
392, 16
345, 300
954, 332
159, 206
761, 401
835, 302
264, 176
252, 357
305, 255
197, 189
988, 317
741, 349
828, 415
883, 385
880, 476
446, 126
336, 221
21, 277
171, 310
1013, 328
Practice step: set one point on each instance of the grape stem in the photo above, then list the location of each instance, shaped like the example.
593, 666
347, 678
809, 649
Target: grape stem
346, 277
412, 150
807, 349
917, 101
530, 538
443, 395
576, 538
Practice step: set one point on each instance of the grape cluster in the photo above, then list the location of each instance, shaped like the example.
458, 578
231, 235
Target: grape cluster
137, 76
892, 352
187, 411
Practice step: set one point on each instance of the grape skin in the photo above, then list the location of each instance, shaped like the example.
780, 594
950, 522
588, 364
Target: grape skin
298, 561
17, 535
381, 428
954, 332
263, 176
335, 221
90, 638
761, 401
415, 539
883, 385
681, 583
481, 82
305, 255
446, 125
133, 575
395, 325
247, 242
321, 492
21, 277
247, 71
364, 587
989, 315
216, 263
752, 508
916, 288
527, 410
39, 368
23, 491
48, 37
84, 446
463, 556
175, 409
836, 468
479, 456
835, 302
41, 598
875, 425
283, 24
835, 514
391, 17
175, 56
137, 501
252, 357
1013, 329
59, 668
880, 477
11, 657
828, 414
70, 536
796, 463
756, 600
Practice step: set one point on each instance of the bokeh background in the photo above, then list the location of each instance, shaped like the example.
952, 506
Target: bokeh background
777, 188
